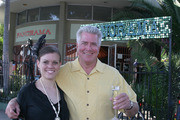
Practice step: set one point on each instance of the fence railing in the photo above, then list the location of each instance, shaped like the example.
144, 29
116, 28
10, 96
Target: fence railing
15, 84
150, 85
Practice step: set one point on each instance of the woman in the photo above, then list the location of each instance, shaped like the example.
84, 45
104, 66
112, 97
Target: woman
42, 99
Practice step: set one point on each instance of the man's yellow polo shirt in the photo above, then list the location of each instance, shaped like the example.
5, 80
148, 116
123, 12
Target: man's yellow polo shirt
88, 96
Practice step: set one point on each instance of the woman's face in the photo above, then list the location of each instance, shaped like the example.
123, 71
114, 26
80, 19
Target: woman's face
49, 65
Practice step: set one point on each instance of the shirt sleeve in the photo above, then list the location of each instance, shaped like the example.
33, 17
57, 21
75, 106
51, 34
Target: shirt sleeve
126, 88
21, 99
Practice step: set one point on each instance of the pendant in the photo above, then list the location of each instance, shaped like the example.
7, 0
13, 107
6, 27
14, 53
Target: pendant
57, 118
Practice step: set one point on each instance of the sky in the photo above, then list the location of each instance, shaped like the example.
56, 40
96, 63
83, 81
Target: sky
1, 2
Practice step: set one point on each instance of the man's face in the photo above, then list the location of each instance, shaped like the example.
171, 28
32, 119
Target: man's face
88, 48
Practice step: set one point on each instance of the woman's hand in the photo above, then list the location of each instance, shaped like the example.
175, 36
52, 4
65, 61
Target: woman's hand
12, 109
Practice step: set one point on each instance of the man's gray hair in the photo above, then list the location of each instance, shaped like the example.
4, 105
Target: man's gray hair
89, 29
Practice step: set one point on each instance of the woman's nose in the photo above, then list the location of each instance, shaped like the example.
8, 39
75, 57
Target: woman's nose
50, 65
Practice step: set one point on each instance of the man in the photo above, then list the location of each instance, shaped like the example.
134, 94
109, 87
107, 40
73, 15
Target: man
87, 83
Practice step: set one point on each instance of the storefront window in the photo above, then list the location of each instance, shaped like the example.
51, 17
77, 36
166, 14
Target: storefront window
50, 13
33, 15
116, 12
79, 12
101, 13
22, 18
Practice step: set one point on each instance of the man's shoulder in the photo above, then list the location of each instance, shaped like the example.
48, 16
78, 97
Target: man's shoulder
108, 68
66, 65
104, 65
66, 68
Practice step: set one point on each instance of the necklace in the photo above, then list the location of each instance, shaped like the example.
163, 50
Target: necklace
56, 112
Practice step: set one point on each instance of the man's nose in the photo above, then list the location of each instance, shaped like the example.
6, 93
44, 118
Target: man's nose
89, 46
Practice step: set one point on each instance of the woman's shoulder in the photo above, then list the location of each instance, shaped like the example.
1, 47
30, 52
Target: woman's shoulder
24, 93
60, 90
61, 93
27, 87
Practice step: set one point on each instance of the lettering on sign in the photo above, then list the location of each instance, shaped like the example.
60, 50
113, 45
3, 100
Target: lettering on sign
34, 32
158, 27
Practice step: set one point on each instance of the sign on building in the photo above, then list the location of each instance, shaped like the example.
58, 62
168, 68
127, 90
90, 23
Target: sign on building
36, 31
157, 27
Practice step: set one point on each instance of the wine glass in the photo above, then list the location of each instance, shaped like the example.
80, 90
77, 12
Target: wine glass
115, 89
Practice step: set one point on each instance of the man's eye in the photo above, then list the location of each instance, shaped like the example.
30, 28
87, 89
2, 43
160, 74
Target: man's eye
84, 43
55, 63
94, 44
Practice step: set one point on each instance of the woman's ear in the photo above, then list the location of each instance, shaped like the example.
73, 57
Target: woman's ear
37, 61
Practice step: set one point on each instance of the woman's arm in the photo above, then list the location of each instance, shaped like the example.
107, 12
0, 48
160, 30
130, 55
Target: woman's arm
12, 109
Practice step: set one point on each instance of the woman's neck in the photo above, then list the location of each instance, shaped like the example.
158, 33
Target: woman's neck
48, 83
48, 87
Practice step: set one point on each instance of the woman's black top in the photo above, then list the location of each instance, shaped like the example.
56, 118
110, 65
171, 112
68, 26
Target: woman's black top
35, 105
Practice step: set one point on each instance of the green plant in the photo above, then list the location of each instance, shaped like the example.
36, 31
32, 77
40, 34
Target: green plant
159, 8
15, 83
151, 87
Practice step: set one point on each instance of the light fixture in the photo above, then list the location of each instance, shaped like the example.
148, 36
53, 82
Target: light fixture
24, 4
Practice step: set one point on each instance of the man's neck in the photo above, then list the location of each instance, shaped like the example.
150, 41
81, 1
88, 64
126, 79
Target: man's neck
88, 67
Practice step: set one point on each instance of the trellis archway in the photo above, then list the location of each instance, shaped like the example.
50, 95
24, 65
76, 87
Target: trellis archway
149, 28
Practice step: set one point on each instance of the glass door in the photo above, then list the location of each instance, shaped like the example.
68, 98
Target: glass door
112, 50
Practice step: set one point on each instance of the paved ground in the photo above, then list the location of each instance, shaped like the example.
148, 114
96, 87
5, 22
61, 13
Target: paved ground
2, 109
3, 115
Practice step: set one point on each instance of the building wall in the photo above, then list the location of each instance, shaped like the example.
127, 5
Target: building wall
65, 30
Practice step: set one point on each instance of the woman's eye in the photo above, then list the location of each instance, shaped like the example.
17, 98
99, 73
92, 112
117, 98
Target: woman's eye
45, 62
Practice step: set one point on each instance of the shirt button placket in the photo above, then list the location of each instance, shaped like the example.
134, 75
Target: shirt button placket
87, 79
87, 103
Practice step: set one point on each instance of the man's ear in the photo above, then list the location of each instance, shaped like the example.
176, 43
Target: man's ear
77, 48
76, 45
99, 49
60, 64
